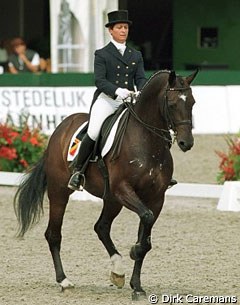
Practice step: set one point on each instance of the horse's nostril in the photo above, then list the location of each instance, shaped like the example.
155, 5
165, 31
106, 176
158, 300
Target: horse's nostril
181, 144
185, 145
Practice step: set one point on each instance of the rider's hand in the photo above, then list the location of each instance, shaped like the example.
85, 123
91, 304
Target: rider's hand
123, 93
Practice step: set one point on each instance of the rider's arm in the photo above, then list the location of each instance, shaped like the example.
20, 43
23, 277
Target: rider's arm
100, 73
140, 78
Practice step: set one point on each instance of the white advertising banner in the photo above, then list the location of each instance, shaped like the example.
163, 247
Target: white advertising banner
217, 108
45, 107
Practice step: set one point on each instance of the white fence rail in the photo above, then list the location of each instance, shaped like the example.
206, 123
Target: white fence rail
228, 195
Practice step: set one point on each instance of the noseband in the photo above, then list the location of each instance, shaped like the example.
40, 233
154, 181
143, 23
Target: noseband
170, 123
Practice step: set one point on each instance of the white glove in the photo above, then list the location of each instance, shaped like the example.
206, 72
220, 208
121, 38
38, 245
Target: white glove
123, 93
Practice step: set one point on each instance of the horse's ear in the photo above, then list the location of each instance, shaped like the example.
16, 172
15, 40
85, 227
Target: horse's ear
191, 77
172, 79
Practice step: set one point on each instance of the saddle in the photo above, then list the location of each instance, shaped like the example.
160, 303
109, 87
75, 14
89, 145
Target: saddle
101, 141
104, 134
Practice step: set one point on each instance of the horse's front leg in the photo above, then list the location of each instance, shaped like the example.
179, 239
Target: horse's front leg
138, 253
140, 249
53, 235
147, 216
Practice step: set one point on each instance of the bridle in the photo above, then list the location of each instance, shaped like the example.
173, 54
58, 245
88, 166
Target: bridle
166, 112
162, 133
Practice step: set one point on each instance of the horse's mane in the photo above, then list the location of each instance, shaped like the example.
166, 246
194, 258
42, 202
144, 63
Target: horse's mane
153, 76
150, 79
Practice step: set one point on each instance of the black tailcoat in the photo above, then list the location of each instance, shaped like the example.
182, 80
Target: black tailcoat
112, 70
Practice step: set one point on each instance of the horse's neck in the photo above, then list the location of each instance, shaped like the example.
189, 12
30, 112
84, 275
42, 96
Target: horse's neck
146, 128
149, 132
148, 106
144, 144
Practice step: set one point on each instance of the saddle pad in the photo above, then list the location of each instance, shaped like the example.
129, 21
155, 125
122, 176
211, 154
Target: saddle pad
74, 146
75, 142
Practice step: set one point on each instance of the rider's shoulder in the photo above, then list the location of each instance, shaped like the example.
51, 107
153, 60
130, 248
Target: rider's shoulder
102, 50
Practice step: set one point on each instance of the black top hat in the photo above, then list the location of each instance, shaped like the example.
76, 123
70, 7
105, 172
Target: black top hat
120, 16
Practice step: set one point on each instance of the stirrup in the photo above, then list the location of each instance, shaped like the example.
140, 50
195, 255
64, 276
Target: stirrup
77, 181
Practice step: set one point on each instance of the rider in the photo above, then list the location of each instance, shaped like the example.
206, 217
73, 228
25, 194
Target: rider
117, 69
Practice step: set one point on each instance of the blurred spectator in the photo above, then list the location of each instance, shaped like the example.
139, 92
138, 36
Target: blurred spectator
22, 59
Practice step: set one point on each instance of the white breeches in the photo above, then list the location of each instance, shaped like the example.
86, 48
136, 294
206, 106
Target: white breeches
103, 107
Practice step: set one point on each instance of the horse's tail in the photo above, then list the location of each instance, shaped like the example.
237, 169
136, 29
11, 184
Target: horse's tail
28, 200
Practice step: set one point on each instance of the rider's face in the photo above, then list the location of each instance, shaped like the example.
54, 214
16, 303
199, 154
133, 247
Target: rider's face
119, 32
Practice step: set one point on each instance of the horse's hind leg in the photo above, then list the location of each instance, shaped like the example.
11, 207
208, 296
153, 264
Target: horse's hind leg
102, 227
58, 202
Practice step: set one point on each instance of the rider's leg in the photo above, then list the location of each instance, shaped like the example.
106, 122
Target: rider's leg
101, 109
77, 179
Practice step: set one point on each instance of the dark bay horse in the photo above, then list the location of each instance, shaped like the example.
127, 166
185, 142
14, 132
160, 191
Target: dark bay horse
138, 178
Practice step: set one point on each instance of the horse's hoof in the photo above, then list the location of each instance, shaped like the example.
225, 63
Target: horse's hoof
66, 284
139, 295
117, 280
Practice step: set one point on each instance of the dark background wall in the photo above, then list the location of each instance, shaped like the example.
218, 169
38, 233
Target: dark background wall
168, 32
152, 30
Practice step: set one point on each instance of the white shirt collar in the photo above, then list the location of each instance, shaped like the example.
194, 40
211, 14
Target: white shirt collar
119, 45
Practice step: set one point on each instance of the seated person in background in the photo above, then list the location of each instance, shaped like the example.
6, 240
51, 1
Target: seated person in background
22, 59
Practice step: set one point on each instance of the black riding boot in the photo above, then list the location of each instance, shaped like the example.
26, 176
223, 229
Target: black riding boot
78, 178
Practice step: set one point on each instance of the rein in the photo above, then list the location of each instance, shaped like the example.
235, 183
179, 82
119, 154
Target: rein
162, 133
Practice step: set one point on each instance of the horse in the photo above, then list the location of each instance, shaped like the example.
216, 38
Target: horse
138, 177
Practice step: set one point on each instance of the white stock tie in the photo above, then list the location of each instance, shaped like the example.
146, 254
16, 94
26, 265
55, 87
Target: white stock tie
121, 50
